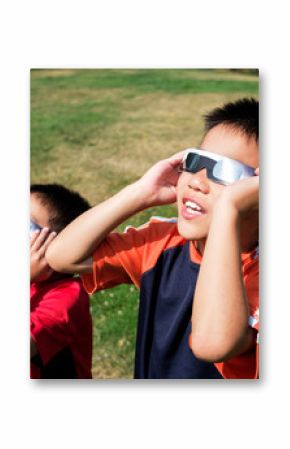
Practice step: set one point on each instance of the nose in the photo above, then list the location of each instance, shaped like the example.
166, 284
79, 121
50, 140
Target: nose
199, 181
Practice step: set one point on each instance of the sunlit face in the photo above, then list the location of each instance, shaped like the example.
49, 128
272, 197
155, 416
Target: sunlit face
196, 194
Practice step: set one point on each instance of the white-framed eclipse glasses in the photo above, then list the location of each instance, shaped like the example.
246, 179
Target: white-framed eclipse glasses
220, 169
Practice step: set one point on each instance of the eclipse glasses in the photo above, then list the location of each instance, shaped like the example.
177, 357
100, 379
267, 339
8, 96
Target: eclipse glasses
219, 168
34, 227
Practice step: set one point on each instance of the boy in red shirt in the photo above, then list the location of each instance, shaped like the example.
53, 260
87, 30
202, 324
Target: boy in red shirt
198, 275
60, 320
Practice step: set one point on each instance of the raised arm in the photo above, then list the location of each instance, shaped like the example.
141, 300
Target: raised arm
71, 251
220, 308
39, 242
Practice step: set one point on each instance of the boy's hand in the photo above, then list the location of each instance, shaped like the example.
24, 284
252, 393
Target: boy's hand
158, 184
72, 251
39, 242
242, 196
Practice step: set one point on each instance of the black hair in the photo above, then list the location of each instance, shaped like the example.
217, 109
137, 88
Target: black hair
241, 115
64, 205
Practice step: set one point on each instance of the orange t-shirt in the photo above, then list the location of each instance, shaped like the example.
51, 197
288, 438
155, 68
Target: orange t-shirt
165, 266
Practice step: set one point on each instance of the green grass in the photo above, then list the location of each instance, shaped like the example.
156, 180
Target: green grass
68, 123
96, 131
140, 81
77, 105
114, 315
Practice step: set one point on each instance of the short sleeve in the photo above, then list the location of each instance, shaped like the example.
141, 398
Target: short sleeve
51, 326
117, 260
124, 257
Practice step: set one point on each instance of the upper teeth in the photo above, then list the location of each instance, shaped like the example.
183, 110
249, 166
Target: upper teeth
192, 205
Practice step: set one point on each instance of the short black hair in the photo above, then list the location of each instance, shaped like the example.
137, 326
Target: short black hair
64, 205
241, 115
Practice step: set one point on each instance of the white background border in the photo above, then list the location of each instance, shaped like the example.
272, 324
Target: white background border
144, 34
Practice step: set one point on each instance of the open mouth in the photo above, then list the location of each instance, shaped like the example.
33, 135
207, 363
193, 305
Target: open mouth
191, 209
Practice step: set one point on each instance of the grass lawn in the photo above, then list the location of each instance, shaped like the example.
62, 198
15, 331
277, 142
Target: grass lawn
96, 131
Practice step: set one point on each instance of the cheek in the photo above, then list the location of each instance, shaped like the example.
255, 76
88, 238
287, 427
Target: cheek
180, 180
183, 181
180, 188
216, 189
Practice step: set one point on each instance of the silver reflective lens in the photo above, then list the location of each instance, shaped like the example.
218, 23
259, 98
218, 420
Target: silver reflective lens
228, 171
219, 168
34, 227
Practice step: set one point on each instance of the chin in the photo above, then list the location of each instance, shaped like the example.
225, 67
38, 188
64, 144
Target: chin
191, 230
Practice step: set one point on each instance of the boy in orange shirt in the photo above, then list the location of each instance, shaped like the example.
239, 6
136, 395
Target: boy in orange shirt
198, 277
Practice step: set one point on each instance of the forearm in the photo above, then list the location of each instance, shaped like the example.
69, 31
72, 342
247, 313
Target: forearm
80, 238
220, 310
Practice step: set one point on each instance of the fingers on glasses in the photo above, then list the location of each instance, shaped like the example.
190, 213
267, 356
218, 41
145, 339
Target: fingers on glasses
41, 239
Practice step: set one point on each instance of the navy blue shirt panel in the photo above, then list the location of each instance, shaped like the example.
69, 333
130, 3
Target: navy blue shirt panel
164, 322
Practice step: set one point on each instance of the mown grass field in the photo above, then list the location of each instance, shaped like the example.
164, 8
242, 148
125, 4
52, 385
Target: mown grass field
97, 130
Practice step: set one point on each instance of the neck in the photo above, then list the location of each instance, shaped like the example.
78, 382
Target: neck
200, 246
246, 245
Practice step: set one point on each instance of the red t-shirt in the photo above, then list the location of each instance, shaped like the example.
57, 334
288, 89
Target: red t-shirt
61, 326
